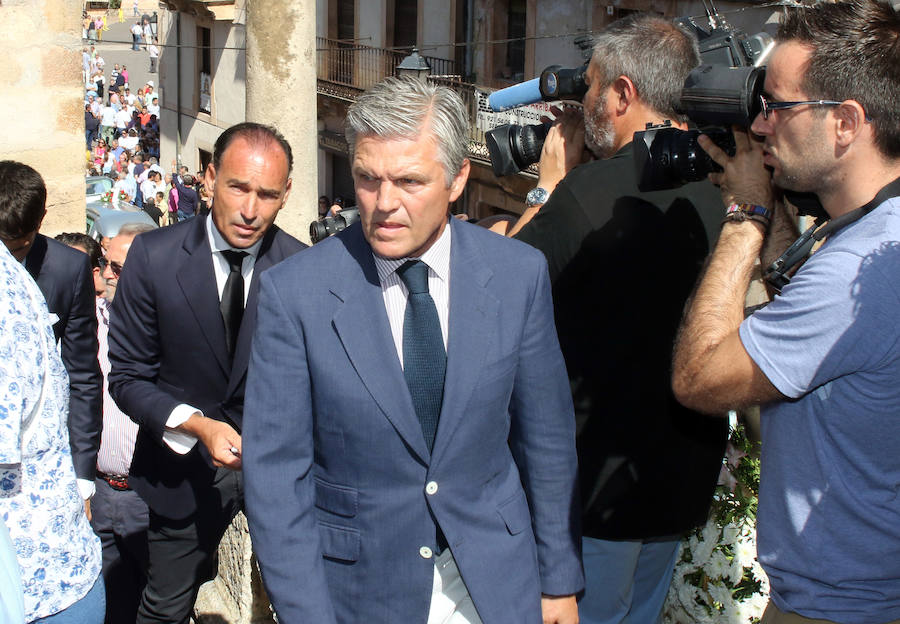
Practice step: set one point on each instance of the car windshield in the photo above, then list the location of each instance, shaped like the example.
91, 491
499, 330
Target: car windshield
95, 187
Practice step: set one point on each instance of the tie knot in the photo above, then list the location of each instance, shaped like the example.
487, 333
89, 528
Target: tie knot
234, 258
414, 274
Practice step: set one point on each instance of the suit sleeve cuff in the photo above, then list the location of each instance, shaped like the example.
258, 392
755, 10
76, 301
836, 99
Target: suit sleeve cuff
86, 488
179, 441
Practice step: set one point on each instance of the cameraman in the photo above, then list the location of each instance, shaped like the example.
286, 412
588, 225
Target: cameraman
824, 357
623, 263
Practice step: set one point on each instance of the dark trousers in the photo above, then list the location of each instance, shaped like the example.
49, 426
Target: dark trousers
120, 518
182, 552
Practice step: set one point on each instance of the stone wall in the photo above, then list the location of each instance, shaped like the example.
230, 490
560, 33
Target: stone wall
42, 102
236, 595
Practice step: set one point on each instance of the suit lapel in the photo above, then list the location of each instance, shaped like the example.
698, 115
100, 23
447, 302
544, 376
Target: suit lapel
471, 325
362, 325
197, 280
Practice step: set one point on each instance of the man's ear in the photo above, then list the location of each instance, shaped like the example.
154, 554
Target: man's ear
459, 182
849, 122
287, 191
209, 177
624, 92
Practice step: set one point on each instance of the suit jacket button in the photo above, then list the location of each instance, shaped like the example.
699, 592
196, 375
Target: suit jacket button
425, 552
431, 488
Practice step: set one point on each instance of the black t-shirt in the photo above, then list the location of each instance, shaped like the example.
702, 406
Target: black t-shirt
622, 264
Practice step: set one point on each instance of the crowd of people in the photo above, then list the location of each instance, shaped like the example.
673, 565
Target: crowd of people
122, 136
427, 422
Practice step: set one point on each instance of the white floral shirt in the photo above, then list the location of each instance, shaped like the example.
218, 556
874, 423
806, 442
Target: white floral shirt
57, 551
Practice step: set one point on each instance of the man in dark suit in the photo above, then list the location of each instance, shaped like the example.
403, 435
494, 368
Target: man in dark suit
622, 264
410, 455
65, 279
179, 350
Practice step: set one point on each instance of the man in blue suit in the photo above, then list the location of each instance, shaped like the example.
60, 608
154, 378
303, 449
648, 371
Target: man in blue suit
179, 344
409, 445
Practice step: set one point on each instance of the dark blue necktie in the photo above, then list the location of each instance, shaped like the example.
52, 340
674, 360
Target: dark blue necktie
232, 303
424, 356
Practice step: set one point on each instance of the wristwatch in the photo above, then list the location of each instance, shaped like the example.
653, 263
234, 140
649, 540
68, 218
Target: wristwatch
537, 196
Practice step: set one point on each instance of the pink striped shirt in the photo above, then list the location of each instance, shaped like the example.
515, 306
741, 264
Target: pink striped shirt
119, 431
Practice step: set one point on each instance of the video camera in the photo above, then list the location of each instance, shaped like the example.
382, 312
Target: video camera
513, 147
329, 226
722, 92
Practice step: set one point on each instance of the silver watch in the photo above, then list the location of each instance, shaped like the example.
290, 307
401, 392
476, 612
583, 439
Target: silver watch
537, 196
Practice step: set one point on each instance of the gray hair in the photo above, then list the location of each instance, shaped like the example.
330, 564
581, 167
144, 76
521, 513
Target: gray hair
399, 108
656, 54
133, 229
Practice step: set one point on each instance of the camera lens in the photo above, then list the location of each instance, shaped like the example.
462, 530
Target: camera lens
513, 148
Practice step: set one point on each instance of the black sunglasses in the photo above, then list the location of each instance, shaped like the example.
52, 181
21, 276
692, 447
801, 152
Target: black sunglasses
766, 106
115, 267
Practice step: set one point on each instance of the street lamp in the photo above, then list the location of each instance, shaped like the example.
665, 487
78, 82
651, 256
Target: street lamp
414, 66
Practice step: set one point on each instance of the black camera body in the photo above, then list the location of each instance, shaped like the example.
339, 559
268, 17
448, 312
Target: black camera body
715, 97
329, 226
723, 92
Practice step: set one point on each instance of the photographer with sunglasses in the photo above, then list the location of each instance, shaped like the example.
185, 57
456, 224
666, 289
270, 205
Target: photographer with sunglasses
823, 358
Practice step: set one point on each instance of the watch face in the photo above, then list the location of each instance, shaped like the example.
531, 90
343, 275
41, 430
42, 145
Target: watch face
536, 196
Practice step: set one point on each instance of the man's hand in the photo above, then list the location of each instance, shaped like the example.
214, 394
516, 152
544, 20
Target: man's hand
87, 509
563, 148
559, 609
219, 438
745, 180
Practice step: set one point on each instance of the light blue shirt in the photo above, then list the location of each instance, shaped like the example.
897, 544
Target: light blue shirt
57, 552
829, 501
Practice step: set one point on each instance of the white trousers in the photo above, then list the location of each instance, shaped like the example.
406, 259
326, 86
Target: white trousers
450, 601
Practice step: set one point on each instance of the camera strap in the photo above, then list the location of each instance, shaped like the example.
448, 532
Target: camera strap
776, 274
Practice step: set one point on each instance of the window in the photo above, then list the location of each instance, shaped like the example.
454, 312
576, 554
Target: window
406, 22
345, 20
204, 63
205, 158
515, 49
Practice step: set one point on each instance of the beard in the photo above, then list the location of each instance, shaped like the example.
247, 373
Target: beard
599, 134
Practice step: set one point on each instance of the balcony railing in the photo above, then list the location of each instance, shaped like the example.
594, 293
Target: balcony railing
347, 69
348, 65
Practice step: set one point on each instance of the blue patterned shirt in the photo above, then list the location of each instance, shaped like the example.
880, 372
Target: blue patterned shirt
57, 551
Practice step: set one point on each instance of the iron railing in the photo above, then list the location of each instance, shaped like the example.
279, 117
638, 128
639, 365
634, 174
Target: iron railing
346, 69
351, 65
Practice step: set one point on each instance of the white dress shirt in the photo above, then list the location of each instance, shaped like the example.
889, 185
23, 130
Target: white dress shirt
179, 441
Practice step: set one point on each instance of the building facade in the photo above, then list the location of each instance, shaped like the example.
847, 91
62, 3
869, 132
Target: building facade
43, 102
473, 46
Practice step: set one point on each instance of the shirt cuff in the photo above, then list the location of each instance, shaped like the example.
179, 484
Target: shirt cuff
179, 441
86, 488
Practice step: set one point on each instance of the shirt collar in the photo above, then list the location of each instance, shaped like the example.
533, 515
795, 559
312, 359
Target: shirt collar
437, 257
218, 243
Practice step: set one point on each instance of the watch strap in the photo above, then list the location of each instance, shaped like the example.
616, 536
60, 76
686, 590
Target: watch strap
748, 212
